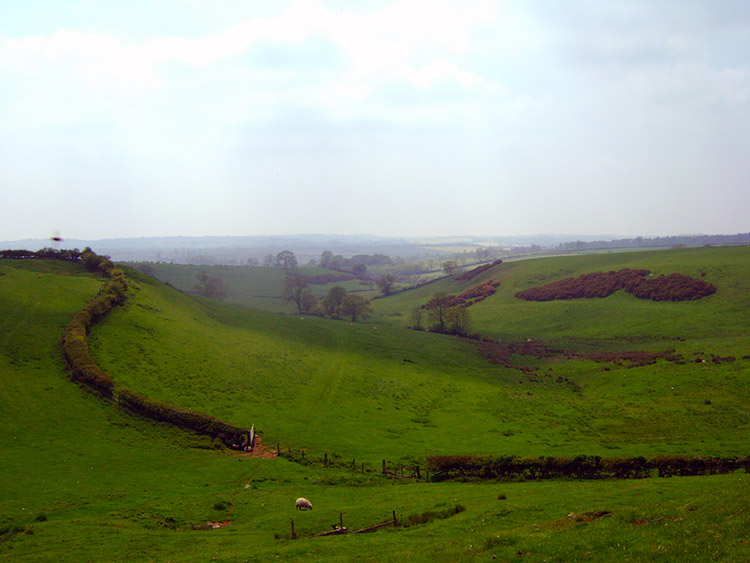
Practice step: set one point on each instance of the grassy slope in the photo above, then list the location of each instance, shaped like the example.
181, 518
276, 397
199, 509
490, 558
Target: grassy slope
106, 480
379, 393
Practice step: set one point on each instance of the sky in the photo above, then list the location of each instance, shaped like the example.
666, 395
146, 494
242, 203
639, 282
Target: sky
408, 118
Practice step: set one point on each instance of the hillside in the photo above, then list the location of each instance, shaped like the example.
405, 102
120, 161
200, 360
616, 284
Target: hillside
377, 390
92, 482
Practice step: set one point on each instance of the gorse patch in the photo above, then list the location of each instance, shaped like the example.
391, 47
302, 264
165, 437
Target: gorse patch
674, 287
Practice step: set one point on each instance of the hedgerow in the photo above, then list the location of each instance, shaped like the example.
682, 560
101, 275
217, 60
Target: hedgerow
476, 271
184, 418
84, 370
579, 467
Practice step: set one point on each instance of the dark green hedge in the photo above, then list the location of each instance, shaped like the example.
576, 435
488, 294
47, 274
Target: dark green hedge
184, 418
83, 368
75, 347
579, 467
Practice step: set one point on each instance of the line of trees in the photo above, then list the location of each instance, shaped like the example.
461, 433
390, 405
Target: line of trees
337, 304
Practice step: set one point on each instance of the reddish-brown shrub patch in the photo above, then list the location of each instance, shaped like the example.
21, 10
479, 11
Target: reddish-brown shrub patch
674, 287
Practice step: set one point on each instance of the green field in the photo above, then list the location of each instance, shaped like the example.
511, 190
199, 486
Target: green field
82, 480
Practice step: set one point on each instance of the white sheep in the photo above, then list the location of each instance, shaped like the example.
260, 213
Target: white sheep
303, 503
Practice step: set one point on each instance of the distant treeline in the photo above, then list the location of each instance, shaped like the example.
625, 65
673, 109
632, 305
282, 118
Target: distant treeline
641, 242
579, 467
674, 287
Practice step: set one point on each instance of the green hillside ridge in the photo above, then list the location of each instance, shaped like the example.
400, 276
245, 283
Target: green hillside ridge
380, 391
85, 481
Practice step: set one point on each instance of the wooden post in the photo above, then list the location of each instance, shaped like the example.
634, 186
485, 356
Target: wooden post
290, 449
341, 520
278, 449
363, 467
402, 471
303, 454
354, 465
383, 466
418, 475
395, 522
325, 459
294, 536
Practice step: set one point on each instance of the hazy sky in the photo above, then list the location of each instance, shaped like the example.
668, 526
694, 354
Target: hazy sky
225, 117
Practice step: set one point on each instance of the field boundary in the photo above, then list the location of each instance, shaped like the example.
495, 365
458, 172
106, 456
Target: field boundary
84, 370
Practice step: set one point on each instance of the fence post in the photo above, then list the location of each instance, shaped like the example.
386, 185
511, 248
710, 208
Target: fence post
303, 454
383, 466
354, 465
325, 459
395, 522
341, 520
294, 536
363, 467
278, 449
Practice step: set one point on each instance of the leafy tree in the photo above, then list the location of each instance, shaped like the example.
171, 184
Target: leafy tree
252, 261
416, 314
286, 259
268, 260
297, 291
209, 286
356, 306
385, 283
332, 302
359, 269
458, 320
325, 258
437, 308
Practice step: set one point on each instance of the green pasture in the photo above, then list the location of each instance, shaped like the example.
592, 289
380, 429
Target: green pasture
716, 324
373, 391
252, 286
84, 481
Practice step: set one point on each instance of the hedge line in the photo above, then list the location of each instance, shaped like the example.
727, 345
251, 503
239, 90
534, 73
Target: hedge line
579, 467
83, 368
75, 347
184, 418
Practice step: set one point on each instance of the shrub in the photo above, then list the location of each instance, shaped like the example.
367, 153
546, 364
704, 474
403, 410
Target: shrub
674, 287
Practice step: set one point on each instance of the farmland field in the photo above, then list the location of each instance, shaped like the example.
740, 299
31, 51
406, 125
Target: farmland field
84, 480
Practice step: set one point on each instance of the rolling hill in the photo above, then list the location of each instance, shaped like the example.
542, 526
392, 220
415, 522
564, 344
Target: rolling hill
91, 481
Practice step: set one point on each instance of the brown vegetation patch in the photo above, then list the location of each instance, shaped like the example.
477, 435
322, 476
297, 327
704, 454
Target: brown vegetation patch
674, 287
505, 353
